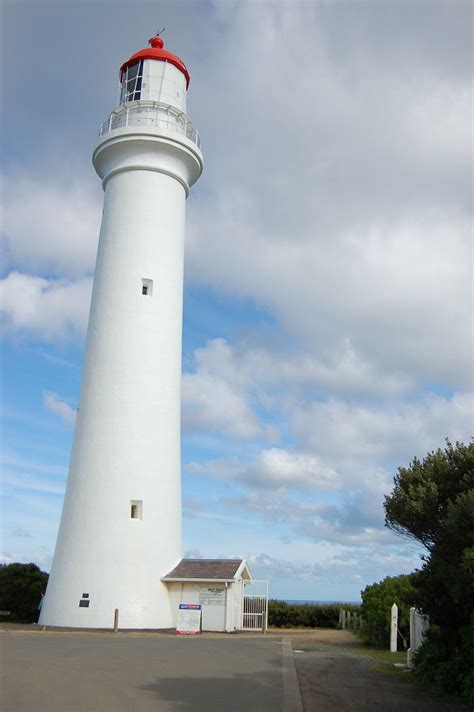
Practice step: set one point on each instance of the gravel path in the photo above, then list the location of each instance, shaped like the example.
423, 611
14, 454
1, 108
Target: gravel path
336, 677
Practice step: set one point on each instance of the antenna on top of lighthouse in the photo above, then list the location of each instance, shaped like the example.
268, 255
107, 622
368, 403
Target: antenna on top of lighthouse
160, 31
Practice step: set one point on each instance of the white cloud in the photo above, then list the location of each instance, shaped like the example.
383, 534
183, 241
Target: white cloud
211, 403
270, 368
59, 407
280, 468
337, 201
50, 223
353, 435
354, 567
52, 310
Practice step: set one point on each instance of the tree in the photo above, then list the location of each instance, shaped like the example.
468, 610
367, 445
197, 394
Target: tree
377, 601
433, 503
21, 588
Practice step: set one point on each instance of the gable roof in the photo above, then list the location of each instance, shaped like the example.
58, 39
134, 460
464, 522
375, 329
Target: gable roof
208, 570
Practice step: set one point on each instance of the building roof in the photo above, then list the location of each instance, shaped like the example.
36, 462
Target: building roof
208, 570
156, 51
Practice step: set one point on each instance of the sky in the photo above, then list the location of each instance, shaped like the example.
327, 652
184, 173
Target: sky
327, 336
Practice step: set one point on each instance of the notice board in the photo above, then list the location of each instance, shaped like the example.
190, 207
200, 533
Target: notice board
189, 619
212, 596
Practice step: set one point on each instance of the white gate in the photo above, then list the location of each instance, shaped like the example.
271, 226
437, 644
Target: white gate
255, 605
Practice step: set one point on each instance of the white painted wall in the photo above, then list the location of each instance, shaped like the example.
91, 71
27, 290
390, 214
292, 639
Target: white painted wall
127, 438
214, 617
164, 82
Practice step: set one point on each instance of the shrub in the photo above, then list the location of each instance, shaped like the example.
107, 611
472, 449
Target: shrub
377, 601
305, 615
21, 588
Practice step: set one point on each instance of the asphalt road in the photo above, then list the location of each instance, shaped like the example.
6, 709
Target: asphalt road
103, 672
61, 672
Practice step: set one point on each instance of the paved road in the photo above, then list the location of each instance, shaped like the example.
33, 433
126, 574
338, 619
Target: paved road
61, 672
84, 672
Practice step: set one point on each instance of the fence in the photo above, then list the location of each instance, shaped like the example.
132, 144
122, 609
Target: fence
151, 114
350, 620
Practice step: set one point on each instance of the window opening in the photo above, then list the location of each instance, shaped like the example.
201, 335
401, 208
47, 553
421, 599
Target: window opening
135, 509
84, 603
147, 287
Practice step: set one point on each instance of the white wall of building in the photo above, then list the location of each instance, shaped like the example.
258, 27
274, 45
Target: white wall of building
222, 614
164, 82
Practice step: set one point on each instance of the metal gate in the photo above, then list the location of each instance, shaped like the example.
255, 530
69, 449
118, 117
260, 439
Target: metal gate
255, 605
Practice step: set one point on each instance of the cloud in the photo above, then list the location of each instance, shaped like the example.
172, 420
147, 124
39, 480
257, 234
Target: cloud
337, 202
47, 309
50, 223
267, 368
354, 567
273, 468
354, 435
211, 403
59, 407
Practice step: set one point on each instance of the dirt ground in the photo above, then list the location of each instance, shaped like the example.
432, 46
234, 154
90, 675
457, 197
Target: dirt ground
335, 676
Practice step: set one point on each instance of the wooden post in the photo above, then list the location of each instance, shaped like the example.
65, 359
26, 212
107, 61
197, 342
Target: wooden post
116, 619
393, 628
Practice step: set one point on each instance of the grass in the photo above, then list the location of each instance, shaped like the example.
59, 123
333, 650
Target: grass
383, 655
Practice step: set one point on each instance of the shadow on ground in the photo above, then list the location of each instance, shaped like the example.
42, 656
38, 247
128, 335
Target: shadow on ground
257, 692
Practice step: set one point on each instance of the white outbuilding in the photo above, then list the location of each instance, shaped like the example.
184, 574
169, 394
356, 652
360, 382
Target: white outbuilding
220, 586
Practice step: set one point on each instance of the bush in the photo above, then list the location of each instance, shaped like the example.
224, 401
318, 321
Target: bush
446, 670
21, 588
433, 503
377, 601
305, 615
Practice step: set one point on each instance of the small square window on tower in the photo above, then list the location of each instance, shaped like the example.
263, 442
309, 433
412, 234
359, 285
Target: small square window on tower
135, 509
147, 287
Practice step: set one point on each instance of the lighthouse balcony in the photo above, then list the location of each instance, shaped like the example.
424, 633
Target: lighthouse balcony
151, 114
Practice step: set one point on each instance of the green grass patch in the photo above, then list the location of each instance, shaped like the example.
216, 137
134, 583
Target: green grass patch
383, 655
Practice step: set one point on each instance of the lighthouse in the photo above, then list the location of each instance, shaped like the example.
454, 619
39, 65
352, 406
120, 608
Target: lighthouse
120, 530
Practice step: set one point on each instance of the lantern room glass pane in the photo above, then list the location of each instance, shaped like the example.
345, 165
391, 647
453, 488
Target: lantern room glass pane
132, 82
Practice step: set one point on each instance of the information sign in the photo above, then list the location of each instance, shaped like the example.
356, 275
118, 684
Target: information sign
212, 596
189, 619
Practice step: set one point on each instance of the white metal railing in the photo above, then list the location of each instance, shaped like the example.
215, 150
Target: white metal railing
151, 114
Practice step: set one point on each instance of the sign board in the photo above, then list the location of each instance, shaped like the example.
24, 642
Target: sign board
189, 619
212, 596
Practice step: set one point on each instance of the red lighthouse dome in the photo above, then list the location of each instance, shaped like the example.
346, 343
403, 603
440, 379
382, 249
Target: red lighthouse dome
156, 51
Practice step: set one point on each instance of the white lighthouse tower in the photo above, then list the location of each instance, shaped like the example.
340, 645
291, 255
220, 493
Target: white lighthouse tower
120, 529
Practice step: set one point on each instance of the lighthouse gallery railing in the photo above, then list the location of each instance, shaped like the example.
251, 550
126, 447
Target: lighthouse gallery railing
151, 114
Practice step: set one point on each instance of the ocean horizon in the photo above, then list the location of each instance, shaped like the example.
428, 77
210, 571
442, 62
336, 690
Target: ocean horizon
304, 602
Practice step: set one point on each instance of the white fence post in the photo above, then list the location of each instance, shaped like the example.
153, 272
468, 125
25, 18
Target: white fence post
419, 624
394, 628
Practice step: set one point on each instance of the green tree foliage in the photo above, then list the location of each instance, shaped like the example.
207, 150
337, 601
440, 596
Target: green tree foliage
433, 503
305, 615
377, 601
21, 588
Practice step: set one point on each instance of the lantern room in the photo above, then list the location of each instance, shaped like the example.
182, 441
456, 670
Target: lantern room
154, 74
